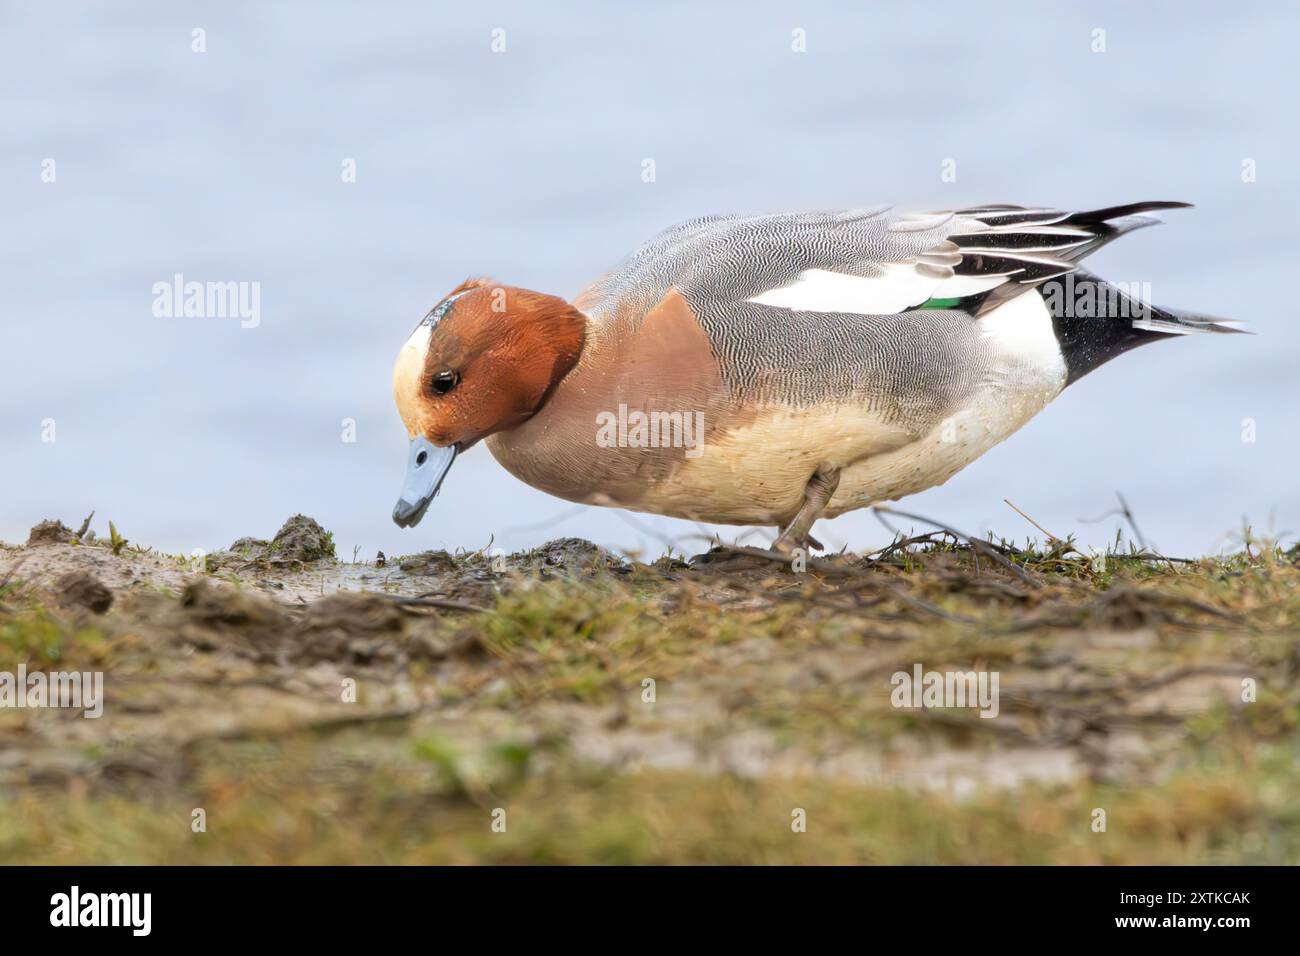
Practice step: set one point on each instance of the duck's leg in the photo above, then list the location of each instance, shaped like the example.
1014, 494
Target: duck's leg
816, 496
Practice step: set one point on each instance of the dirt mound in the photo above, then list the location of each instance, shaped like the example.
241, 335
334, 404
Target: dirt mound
566, 554
350, 627
210, 616
50, 531
301, 540
83, 589
563, 556
428, 562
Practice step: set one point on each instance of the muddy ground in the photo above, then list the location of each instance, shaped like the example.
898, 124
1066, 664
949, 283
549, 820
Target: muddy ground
269, 703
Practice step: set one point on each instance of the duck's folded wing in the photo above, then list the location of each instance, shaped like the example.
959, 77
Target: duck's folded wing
876, 262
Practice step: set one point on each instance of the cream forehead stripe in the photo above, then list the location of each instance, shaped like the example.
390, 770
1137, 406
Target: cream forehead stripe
407, 372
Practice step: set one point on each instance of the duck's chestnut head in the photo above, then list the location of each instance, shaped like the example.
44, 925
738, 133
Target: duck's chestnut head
483, 360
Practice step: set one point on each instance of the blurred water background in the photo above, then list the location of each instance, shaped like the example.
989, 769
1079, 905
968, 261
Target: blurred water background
527, 165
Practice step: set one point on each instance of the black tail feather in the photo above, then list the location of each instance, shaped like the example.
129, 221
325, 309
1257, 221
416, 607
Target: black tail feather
1128, 209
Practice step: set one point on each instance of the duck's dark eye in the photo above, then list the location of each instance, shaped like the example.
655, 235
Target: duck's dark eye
445, 381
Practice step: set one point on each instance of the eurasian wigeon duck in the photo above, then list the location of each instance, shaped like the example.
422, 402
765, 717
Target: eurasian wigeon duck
772, 370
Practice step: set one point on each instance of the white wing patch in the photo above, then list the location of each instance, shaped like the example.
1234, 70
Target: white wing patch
903, 286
